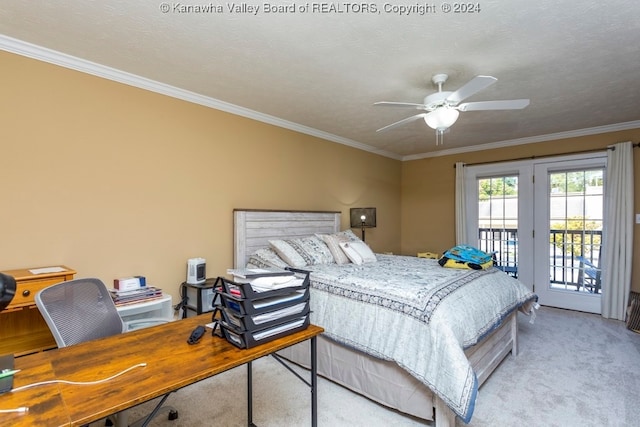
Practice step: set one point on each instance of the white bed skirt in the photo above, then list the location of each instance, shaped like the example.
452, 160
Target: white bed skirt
379, 380
386, 383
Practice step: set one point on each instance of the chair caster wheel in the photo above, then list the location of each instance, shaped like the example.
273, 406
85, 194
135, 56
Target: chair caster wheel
173, 415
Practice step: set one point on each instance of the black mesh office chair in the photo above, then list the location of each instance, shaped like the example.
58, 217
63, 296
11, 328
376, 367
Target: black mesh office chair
81, 310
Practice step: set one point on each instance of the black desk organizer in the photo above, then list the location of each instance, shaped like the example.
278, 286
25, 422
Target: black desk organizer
252, 318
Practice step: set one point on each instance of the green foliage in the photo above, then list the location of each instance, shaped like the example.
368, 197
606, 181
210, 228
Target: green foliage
573, 243
575, 182
497, 187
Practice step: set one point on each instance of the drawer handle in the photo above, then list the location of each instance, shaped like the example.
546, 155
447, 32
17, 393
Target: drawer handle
26, 293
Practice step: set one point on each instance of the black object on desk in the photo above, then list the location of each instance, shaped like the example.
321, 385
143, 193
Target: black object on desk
6, 373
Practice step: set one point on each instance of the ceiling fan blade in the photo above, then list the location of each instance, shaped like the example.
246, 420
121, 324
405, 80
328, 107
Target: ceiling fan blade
401, 104
401, 122
472, 87
512, 104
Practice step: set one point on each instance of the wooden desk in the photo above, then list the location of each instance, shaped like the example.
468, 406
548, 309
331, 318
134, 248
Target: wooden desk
23, 328
46, 407
171, 365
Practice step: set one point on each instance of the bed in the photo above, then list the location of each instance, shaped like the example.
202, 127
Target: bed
380, 340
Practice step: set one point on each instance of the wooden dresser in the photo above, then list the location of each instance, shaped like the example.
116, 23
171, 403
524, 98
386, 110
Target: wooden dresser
22, 328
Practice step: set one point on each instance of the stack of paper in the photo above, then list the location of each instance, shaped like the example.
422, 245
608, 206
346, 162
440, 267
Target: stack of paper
278, 314
260, 305
135, 296
262, 280
266, 333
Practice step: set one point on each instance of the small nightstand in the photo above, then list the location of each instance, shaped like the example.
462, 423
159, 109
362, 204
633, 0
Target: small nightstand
197, 299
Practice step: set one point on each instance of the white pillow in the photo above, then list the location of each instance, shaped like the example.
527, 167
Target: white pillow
349, 234
358, 252
303, 251
266, 258
333, 242
287, 253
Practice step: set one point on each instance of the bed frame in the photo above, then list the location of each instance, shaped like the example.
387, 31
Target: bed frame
382, 381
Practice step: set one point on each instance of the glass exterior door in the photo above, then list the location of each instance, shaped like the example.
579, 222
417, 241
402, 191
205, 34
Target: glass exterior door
500, 215
543, 220
573, 226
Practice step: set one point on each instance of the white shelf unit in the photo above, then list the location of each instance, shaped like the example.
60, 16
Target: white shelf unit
157, 308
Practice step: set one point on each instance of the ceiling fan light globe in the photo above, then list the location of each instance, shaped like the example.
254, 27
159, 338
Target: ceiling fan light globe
441, 118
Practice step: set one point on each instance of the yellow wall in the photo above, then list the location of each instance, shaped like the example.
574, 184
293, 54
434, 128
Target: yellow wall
428, 220
117, 181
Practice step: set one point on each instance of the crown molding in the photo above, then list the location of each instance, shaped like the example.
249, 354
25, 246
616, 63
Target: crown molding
529, 140
40, 53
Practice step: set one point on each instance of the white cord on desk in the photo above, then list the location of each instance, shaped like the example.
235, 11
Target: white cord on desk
139, 365
18, 410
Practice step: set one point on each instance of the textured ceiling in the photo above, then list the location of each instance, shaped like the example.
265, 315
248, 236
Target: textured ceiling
321, 70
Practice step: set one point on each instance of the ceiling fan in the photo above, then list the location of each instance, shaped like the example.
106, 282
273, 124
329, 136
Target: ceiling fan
442, 108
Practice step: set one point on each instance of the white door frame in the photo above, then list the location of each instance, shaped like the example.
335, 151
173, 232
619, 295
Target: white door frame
533, 214
580, 301
524, 171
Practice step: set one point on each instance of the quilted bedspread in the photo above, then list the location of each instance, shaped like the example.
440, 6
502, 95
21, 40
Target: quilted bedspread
418, 314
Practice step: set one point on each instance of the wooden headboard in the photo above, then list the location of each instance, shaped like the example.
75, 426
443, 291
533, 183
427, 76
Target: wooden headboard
252, 229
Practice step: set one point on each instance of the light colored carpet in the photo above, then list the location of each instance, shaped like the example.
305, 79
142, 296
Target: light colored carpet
574, 369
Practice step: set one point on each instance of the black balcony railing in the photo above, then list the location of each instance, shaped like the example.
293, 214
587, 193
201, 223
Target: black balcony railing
575, 258
574, 255
503, 244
